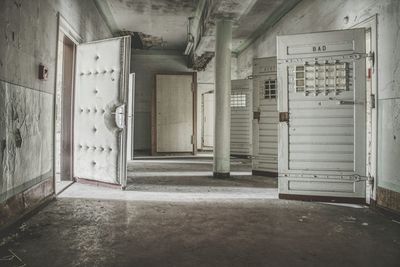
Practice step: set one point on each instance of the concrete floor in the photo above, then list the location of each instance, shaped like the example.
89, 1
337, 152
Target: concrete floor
192, 172
183, 229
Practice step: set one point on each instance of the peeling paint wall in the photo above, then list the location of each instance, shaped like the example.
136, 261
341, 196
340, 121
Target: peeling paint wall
28, 37
316, 15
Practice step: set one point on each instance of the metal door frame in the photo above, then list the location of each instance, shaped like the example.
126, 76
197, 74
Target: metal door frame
66, 28
202, 121
372, 185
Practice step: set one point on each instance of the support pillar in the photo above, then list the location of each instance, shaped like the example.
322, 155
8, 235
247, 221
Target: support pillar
222, 128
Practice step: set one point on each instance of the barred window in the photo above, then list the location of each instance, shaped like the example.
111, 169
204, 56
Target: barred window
270, 89
238, 100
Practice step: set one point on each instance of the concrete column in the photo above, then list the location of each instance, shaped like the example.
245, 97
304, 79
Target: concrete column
222, 136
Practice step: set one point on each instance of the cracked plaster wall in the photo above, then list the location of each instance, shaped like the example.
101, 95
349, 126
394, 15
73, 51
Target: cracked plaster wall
317, 15
28, 37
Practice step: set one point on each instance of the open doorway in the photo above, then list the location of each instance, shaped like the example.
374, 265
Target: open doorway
64, 110
207, 121
173, 129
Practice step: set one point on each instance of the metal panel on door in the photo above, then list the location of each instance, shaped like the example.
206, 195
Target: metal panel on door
101, 94
322, 133
241, 117
265, 118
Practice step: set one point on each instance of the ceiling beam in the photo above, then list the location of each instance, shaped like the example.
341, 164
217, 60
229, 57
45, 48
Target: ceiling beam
281, 11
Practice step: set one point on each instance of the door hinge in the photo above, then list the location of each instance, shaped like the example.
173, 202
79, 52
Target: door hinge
371, 180
192, 139
371, 56
373, 103
283, 116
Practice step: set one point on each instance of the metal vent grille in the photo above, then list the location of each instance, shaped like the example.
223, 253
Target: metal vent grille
238, 100
320, 78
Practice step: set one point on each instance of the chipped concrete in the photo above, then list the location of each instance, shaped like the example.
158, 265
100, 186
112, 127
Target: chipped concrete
78, 232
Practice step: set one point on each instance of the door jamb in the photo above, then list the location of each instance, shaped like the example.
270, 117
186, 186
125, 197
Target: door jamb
372, 24
202, 119
64, 27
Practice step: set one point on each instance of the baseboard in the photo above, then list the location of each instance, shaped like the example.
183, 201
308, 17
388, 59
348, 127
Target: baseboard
388, 199
97, 183
221, 175
25, 204
265, 173
352, 200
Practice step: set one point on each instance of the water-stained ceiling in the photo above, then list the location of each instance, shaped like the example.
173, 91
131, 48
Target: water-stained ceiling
165, 22
166, 19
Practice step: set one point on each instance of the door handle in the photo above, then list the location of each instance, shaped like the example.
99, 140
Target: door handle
119, 116
345, 102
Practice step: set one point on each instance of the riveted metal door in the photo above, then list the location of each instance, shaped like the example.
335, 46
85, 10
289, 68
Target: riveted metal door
265, 117
322, 140
241, 117
101, 98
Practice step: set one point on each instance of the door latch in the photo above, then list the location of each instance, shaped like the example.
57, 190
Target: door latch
283, 116
345, 102
119, 116
373, 101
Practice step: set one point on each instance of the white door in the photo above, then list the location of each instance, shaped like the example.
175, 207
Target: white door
101, 94
174, 113
207, 129
241, 117
322, 134
265, 118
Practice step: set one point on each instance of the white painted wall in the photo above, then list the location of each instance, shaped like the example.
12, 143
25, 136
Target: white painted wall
317, 15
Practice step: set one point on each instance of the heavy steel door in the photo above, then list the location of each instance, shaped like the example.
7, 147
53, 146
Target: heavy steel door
207, 129
101, 96
265, 117
241, 117
322, 134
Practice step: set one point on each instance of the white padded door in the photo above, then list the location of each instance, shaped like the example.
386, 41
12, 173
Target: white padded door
101, 93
